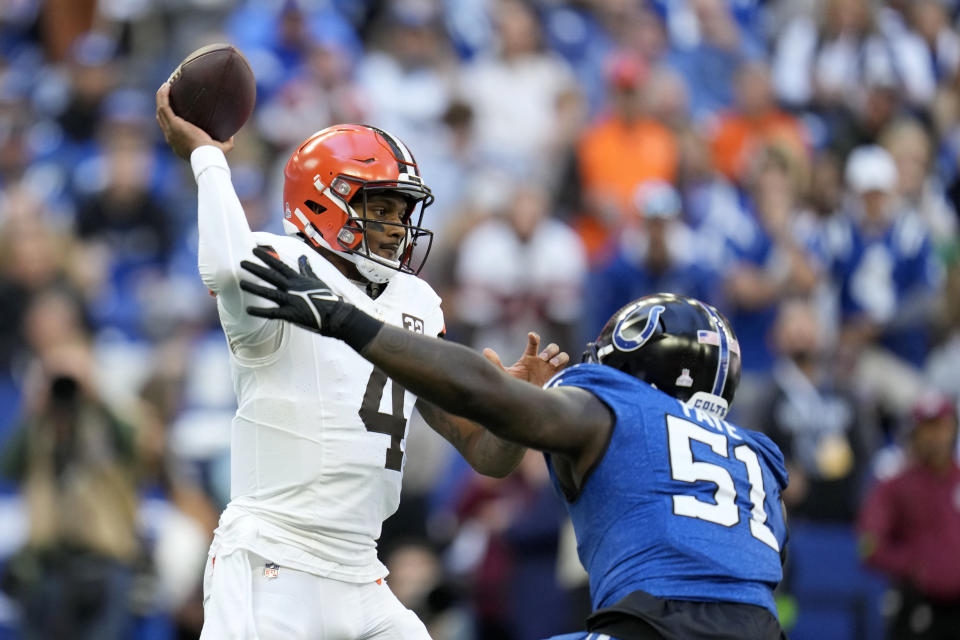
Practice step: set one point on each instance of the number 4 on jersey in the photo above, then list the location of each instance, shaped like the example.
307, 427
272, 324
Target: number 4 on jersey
393, 424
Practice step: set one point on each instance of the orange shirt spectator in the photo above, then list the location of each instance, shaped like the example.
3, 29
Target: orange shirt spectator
617, 154
756, 122
737, 136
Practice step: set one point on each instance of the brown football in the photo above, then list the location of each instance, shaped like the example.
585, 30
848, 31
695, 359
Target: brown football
214, 88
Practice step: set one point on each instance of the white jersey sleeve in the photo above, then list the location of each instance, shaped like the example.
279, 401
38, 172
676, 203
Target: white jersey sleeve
225, 240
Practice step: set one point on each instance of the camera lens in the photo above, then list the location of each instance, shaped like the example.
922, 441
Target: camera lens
63, 389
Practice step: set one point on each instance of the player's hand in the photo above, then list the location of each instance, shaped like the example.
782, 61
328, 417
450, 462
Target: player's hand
301, 298
533, 367
182, 136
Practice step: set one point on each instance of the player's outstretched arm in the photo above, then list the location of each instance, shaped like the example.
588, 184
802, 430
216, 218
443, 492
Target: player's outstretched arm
488, 454
569, 421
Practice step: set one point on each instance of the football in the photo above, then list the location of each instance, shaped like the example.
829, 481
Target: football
214, 88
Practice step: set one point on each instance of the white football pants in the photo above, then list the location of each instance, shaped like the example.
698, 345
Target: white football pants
240, 602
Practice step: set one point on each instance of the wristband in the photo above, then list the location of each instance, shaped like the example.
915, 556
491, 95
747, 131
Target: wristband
353, 326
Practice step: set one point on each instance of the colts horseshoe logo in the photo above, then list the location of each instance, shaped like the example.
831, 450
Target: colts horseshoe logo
623, 343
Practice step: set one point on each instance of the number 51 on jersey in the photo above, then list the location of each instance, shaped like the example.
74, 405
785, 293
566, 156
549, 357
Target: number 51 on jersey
681, 434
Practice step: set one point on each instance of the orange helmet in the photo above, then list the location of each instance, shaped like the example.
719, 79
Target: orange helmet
334, 166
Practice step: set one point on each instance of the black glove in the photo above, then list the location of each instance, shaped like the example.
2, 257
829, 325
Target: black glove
306, 301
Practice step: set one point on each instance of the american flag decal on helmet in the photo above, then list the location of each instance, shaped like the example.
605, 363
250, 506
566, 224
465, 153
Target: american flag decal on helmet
723, 358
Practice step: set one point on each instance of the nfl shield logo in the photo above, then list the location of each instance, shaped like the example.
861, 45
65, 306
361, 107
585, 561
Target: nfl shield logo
271, 570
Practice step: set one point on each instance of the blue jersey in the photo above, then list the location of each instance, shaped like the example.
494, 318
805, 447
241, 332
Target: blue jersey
681, 505
882, 274
753, 246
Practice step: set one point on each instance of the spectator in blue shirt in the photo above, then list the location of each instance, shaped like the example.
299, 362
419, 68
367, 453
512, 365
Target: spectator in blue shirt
889, 274
710, 63
657, 253
765, 262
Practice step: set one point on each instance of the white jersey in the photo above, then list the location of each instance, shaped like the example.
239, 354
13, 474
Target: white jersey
317, 445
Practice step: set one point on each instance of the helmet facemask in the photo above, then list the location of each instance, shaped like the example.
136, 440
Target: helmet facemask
414, 247
351, 196
590, 355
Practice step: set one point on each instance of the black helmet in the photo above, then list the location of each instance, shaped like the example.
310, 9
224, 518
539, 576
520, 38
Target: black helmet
679, 345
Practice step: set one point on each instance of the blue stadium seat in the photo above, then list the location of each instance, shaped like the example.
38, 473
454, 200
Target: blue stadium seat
837, 599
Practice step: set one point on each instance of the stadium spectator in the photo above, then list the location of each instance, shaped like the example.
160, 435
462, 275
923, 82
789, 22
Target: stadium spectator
34, 258
619, 151
909, 144
669, 100
910, 527
523, 95
942, 368
422, 583
930, 20
407, 78
826, 437
828, 60
74, 459
319, 94
177, 516
753, 123
579, 35
278, 36
520, 271
509, 532
656, 252
93, 74
709, 63
889, 281
766, 265
712, 204
121, 217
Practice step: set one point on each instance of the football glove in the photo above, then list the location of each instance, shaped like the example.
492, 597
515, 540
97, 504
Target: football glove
306, 300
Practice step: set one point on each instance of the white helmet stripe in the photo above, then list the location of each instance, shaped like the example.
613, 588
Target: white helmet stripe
405, 162
407, 156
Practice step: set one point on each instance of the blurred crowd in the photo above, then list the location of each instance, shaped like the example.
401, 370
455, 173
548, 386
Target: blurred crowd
796, 163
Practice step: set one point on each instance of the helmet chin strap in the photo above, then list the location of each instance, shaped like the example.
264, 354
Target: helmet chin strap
370, 268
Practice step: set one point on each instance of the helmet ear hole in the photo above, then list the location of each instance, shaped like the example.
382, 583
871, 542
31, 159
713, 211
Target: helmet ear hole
350, 235
315, 206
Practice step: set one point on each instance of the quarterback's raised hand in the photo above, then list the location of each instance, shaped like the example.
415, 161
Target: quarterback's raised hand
182, 136
306, 300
